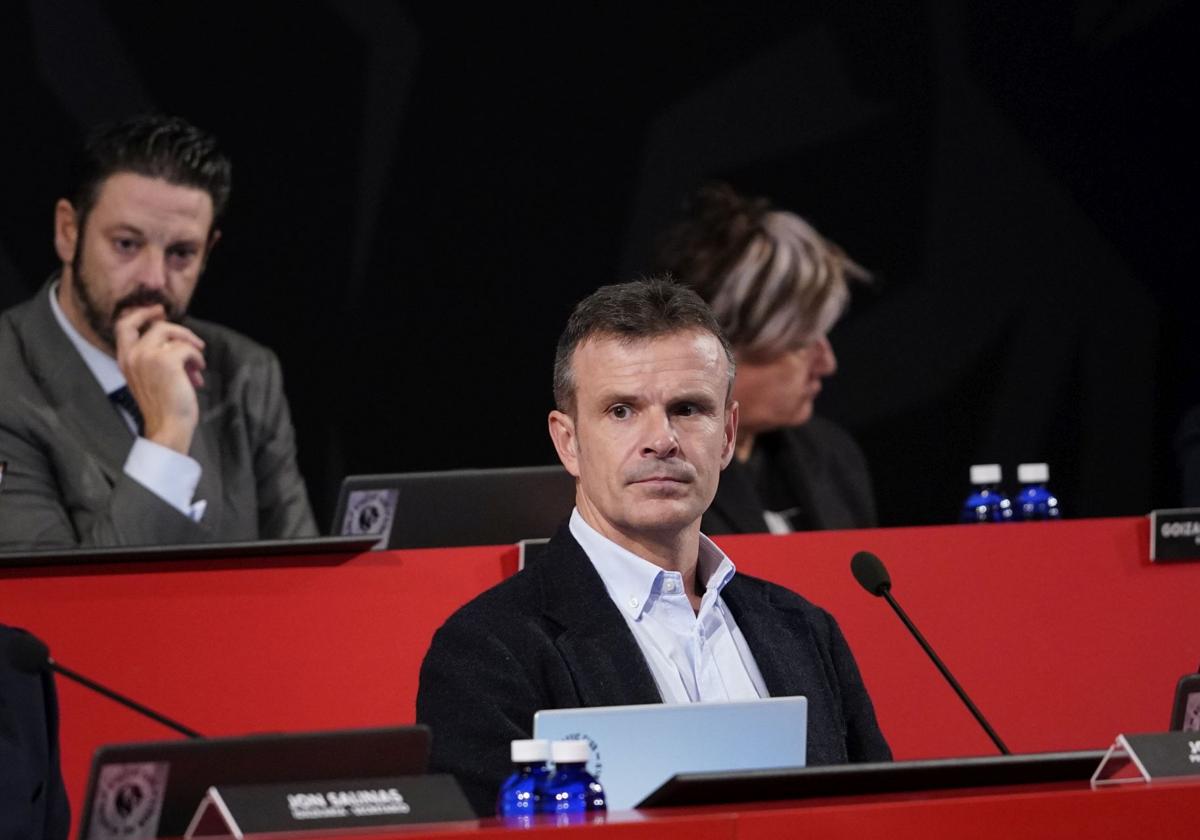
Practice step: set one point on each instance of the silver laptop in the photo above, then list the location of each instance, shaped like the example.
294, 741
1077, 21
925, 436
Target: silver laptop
637, 748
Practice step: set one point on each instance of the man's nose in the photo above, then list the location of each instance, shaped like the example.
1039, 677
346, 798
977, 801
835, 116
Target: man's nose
661, 441
152, 273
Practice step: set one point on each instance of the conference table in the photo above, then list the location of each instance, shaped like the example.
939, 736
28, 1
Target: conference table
1158, 811
1064, 633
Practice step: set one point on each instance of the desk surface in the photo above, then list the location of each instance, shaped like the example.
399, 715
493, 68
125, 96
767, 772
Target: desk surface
1158, 811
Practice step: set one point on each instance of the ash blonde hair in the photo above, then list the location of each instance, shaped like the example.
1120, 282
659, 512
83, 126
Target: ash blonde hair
773, 281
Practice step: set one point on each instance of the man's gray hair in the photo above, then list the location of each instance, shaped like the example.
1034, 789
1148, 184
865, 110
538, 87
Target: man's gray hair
631, 312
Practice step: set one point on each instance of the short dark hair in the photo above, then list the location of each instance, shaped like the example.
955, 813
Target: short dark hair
155, 146
632, 312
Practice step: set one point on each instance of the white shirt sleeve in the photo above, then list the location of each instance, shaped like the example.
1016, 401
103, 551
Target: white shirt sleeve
167, 474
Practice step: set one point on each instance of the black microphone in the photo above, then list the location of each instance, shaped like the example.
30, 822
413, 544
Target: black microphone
30, 655
870, 572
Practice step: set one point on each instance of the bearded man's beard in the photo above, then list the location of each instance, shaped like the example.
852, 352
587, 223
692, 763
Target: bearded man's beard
103, 324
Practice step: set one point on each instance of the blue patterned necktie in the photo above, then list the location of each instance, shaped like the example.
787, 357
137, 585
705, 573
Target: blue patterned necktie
123, 398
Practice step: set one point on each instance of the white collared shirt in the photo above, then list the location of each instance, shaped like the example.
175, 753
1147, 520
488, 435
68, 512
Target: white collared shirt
694, 657
168, 474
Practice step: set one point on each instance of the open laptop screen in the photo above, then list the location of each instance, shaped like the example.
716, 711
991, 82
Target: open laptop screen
635, 749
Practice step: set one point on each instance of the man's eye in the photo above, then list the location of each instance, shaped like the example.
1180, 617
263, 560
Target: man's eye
181, 256
620, 412
125, 245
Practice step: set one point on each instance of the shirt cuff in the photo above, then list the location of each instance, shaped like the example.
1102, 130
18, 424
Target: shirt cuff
167, 474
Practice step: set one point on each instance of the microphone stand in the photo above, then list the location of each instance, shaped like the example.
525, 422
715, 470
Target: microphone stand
962, 695
124, 701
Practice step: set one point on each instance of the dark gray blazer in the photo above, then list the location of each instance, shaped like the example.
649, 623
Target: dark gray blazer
823, 467
66, 445
33, 803
550, 638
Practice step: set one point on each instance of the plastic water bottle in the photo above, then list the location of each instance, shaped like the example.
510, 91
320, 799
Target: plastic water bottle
520, 795
1035, 502
987, 503
572, 791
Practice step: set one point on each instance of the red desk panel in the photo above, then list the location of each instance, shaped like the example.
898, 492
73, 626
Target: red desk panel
245, 646
1157, 811
1064, 633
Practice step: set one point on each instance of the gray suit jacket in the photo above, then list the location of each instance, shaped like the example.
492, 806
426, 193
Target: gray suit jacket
551, 638
66, 445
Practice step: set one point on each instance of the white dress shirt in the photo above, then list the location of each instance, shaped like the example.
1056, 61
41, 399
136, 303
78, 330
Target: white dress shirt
694, 657
166, 473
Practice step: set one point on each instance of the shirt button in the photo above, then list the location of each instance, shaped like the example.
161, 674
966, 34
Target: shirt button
669, 585
633, 602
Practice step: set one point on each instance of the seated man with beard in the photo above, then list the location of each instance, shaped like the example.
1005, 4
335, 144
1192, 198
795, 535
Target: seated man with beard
122, 422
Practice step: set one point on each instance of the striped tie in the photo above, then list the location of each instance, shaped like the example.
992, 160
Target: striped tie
123, 398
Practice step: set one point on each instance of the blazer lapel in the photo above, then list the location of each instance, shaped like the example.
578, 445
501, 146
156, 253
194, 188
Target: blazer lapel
775, 652
797, 465
601, 653
206, 449
80, 403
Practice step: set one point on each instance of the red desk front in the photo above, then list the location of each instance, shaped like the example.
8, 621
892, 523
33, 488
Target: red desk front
1064, 633
1158, 811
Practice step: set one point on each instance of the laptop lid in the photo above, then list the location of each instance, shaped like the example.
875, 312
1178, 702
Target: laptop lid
635, 749
152, 789
455, 508
313, 547
875, 777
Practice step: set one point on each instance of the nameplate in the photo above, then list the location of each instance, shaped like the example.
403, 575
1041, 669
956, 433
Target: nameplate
241, 811
1175, 534
1150, 758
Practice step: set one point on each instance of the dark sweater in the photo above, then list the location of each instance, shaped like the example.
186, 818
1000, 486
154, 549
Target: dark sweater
551, 638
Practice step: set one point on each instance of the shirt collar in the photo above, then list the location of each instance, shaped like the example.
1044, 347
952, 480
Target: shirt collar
631, 580
103, 366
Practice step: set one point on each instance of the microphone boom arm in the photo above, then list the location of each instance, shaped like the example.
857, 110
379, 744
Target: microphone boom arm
962, 695
124, 701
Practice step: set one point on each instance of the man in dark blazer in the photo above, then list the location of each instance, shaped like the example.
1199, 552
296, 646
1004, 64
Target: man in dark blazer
123, 422
33, 802
631, 603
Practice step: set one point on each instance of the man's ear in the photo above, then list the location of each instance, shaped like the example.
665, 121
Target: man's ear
66, 230
731, 424
562, 432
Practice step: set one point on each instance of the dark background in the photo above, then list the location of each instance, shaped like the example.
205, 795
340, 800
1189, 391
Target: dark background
422, 192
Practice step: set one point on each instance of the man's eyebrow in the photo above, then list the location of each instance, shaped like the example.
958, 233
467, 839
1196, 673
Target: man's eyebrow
612, 397
124, 227
698, 397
